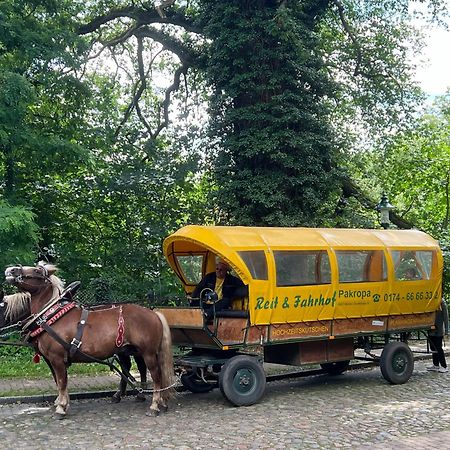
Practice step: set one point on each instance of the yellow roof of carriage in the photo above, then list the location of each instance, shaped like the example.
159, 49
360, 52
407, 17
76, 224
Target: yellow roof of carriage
226, 241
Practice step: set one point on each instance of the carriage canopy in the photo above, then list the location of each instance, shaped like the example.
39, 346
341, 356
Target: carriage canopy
312, 274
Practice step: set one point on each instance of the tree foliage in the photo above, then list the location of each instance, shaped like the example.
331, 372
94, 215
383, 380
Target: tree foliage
104, 188
104, 147
275, 145
294, 85
415, 169
19, 235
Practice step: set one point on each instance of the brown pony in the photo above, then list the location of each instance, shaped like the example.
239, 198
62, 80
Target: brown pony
106, 332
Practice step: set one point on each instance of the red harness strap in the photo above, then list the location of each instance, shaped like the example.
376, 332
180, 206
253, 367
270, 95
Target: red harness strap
59, 313
120, 329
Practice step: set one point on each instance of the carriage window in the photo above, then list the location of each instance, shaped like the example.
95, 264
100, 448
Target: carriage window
301, 268
191, 267
361, 266
413, 265
256, 263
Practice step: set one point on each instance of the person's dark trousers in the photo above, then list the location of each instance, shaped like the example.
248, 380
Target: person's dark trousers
438, 352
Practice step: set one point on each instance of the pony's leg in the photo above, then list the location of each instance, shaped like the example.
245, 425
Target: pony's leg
57, 400
143, 376
152, 363
125, 364
63, 394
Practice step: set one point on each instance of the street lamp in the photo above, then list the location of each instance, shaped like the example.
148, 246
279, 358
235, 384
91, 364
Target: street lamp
384, 208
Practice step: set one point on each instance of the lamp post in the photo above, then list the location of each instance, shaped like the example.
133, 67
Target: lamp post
384, 208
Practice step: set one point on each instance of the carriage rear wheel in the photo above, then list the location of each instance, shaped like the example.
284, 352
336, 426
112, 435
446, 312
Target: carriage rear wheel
396, 362
335, 368
194, 383
242, 380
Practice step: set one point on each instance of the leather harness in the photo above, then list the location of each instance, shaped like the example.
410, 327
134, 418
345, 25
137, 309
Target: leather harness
43, 322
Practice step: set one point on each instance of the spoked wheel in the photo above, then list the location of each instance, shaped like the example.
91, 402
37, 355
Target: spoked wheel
396, 362
242, 380
194, 383
335, 368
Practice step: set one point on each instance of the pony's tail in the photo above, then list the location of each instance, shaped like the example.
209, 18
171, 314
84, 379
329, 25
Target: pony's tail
165, 358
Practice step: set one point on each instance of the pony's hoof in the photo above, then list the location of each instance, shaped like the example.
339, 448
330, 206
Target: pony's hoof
59, 416
140, 398
164, 408
152, 413
115, 398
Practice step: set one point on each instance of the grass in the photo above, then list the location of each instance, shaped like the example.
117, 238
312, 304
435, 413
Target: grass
17, 362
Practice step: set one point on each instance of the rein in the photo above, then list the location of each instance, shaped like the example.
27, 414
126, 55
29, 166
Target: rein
67, 295
14, 329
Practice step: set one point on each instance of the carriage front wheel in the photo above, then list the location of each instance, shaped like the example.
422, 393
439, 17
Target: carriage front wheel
242, 380
396, 362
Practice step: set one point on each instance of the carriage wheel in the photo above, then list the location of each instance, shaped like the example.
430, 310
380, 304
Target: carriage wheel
396, 362
192, 382
242, 380
335, 368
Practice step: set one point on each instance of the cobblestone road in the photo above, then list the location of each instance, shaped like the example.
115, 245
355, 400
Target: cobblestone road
356, 410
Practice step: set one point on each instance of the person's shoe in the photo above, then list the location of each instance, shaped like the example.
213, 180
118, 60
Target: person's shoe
433, 368
443, 370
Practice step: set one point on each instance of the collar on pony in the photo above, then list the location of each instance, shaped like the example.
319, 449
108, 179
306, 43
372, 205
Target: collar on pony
54, 308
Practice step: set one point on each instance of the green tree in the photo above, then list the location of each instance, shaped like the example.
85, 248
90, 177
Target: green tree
18, 235
16, 94
292, 84
103, 187
275, 160
41, 103
110, 158
415, 169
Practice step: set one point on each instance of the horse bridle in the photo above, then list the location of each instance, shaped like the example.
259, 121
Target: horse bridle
38, 276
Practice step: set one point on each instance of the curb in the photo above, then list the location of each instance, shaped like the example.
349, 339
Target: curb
50, 398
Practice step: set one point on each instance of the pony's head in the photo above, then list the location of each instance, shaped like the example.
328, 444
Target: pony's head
34, 279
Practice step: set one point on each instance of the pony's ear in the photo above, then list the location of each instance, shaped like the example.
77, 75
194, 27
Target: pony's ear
49, 268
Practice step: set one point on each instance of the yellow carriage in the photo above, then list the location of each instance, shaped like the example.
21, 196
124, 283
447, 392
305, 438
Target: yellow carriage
313, 296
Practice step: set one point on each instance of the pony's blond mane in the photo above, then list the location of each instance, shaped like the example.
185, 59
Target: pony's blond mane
17, 305
57, 285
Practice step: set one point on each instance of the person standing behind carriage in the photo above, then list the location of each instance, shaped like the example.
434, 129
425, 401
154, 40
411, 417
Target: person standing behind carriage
224, 286
436, 337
